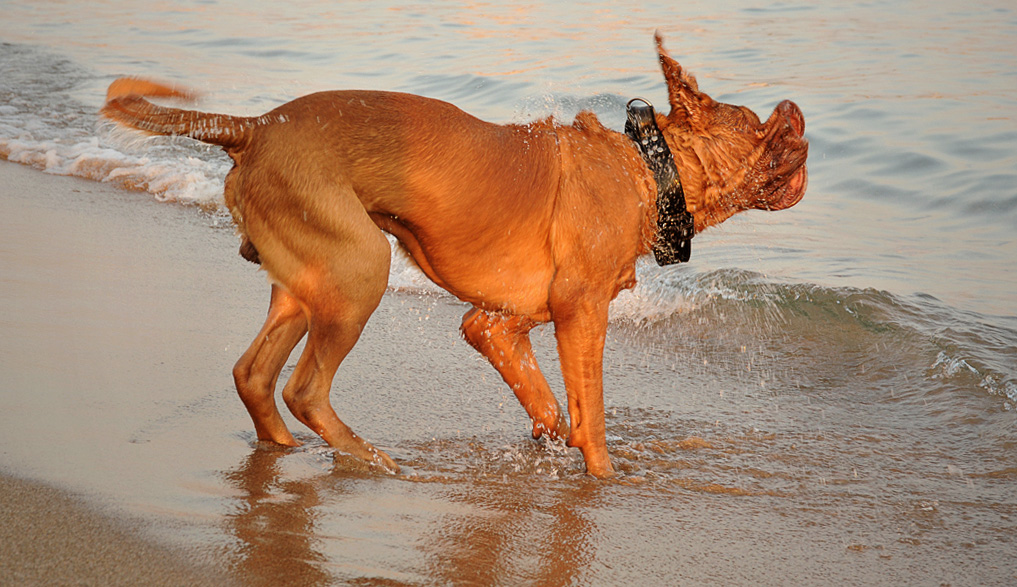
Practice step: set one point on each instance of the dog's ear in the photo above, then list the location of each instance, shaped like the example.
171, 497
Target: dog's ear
687, 103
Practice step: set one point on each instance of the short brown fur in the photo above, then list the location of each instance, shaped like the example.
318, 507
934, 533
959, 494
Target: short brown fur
527, 223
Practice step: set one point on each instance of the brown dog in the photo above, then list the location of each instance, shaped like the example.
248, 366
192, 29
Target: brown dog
528, 223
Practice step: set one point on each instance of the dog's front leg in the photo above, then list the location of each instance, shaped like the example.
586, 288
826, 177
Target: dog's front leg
580, 325
505, 341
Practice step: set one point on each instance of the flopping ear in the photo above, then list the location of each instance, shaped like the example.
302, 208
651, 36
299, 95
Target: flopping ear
687, 102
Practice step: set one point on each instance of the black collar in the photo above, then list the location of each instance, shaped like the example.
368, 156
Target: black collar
675, 226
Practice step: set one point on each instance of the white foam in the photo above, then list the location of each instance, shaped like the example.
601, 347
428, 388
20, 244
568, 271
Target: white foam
170, 172
651, 300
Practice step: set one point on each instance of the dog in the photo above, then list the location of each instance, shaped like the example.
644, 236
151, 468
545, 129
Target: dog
528, 223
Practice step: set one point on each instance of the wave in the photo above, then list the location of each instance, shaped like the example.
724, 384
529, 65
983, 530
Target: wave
43, 125
865, 329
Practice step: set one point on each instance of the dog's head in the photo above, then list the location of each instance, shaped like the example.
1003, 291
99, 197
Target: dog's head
728, 160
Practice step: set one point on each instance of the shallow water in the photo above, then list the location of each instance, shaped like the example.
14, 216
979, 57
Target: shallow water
826, 393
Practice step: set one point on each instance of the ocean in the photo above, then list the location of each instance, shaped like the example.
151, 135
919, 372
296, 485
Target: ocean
852, 358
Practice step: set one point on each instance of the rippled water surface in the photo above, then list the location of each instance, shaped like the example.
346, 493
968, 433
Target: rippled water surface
827, 394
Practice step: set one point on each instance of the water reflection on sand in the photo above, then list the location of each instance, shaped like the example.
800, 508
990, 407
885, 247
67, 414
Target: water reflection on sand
476, 532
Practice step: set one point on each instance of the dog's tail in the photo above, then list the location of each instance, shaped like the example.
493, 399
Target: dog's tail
126, 104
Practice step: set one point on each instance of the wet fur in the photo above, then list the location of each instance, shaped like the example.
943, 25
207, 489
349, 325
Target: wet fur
527, 223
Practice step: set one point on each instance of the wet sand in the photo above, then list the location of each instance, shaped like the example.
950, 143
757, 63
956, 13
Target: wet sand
52, 537
128, 458
60, 529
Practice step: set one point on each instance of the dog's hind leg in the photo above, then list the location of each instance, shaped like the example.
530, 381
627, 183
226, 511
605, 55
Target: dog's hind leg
257, 371
505, 341
338, 298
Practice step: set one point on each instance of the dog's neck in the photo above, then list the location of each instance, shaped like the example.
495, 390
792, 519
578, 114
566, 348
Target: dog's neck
675, 225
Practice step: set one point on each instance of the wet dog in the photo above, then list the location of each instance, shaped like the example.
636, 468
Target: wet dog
527, 223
